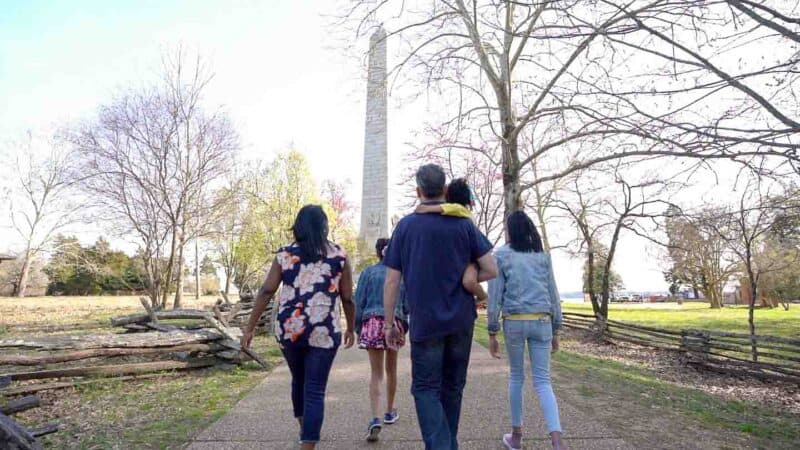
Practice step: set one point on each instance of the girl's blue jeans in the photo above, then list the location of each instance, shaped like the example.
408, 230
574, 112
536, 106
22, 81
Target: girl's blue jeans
538, 336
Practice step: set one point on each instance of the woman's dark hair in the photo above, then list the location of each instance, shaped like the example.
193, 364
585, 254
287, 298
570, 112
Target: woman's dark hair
522, 233
310, 231
380, 244
458, 191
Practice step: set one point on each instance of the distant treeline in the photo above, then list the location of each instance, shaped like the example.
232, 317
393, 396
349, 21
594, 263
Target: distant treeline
97, 269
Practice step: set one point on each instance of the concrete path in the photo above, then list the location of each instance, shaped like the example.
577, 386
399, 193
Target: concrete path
263, 419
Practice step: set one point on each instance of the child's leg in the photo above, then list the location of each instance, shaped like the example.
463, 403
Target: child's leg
391, 379
376, 380
470, 282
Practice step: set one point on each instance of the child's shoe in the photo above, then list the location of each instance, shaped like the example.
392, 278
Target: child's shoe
373, 430
391, 417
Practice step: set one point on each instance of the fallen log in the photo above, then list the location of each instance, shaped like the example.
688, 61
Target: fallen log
229, 334
134, 340
164, 328
114, 369
219, 316
150, 311
24, 360
19, 405
14, 436
34, 388
45, 430
160, 315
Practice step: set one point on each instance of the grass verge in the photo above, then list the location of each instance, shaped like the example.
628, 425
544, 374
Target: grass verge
634, 400
160, 413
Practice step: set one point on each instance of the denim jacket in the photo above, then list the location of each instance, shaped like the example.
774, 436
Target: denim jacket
369, 296
524, 284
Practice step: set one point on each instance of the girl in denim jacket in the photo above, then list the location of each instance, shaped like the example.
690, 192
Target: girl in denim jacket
525, 294
370, 327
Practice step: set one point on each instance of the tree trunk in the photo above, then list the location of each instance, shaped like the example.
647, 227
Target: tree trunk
170, 267
24, 274
227, 282
713, 295
180, 274
590, 282
512, 189
751, 310
196, 270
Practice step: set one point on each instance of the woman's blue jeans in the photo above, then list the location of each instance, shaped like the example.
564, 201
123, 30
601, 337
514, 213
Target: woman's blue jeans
538, 335
310, 368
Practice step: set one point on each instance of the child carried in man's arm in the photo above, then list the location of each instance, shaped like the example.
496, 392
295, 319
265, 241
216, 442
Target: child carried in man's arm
459, 204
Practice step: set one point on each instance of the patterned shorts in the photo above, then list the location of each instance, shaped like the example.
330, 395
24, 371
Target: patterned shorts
372, 333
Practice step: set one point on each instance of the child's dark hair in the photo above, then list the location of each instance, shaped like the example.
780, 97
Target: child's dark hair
310, 231
458, 191
522, 233
380, 245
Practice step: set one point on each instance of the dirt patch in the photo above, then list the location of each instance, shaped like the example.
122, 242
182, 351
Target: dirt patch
668, 367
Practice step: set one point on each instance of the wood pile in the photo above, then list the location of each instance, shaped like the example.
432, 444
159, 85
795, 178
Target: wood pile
147, 345
238, 314
12, 434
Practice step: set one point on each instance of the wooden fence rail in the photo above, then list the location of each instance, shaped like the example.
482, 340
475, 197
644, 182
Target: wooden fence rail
766, 357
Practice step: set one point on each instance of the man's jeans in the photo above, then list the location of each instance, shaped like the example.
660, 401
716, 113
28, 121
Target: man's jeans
310, 367
538, 336
439, 374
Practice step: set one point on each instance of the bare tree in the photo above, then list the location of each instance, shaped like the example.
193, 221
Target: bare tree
153, 155
649, 78
227, 228
580, 206
603, 206
745, 226
40, 203
697, 253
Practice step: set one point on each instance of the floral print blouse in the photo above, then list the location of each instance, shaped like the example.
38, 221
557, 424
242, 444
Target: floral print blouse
309, 306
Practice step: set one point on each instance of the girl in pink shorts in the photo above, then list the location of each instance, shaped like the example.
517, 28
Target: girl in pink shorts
371, 337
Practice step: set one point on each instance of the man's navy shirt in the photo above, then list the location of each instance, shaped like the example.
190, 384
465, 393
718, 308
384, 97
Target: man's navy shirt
432, 251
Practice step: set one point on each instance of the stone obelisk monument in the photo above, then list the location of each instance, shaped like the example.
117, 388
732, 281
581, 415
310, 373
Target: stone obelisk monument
375, 190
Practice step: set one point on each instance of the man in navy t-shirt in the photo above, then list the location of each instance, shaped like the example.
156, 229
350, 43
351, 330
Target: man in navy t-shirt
430, 253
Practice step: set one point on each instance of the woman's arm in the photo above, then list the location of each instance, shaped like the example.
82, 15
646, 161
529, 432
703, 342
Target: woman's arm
361, 300
346, 291
555, 298
271, 284
497, 287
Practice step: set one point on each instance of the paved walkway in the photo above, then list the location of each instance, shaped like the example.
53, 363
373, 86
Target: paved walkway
263, 419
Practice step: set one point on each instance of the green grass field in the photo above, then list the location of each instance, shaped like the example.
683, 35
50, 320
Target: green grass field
776, 321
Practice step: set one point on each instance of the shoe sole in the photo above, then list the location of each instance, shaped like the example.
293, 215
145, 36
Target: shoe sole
508, 445
389, 422
373, 434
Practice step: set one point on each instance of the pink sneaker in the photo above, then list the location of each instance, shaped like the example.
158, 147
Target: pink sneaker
507, 442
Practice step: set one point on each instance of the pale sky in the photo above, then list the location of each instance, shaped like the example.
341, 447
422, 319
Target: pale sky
279, 74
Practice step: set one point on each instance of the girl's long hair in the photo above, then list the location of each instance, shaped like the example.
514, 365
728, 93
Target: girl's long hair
522, 233
310, 231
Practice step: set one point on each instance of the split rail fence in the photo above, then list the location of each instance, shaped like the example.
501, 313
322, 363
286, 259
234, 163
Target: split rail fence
766, 357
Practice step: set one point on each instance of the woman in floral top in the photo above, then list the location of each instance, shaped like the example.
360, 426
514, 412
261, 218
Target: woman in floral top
315, 274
